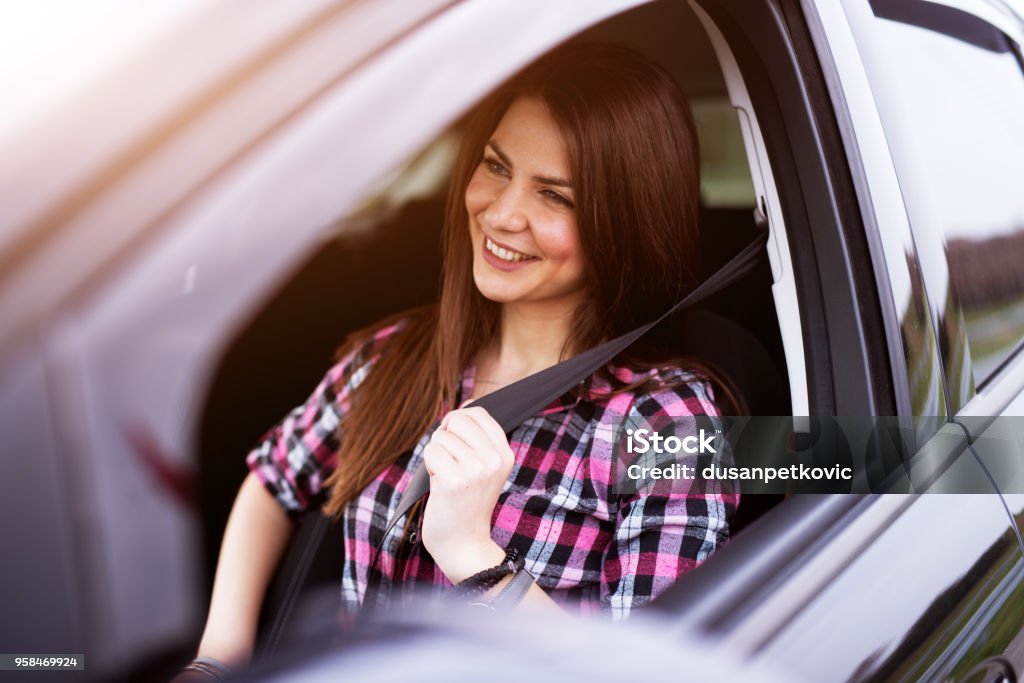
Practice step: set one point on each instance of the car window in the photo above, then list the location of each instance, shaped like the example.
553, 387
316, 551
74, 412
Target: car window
949, 90
386, 242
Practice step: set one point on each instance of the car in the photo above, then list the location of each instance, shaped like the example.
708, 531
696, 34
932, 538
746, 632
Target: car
183, 246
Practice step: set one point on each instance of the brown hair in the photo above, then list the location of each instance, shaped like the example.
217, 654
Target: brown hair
633, 158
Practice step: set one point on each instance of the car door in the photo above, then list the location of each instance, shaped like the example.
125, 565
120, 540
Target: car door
882, 586
932, 69
125, 301
97, 486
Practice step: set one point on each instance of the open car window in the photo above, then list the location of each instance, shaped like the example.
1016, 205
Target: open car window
388, 244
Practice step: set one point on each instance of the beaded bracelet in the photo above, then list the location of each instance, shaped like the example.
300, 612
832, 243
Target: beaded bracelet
483, 581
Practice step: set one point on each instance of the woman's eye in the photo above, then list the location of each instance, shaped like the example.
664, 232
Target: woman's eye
495, 167
557, 198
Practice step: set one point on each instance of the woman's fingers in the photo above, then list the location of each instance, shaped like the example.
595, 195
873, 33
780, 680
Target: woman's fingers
454, 444
438, 459
482, 421
489, 428
475, 442
462, 424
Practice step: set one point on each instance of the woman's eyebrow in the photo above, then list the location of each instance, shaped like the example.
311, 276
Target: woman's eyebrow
543, 180
501, 153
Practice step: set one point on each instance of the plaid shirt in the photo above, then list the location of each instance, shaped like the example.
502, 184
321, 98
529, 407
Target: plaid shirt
590, 548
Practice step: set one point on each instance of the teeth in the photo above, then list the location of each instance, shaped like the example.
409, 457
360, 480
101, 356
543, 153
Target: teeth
504, 254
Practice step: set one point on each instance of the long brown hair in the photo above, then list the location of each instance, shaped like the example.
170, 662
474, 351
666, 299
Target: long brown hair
634, 162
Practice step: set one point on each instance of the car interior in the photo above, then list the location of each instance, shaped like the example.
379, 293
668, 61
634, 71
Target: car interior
385, 257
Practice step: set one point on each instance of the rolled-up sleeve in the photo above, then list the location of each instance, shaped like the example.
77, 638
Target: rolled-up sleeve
663, 533
297, 455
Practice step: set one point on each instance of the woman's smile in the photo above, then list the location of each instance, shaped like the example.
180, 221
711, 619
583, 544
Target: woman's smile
504, 257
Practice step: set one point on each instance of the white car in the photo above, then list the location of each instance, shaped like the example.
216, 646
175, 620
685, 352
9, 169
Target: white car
182, 247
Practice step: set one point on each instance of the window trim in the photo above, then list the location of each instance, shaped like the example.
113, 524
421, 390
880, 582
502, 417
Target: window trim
944, 18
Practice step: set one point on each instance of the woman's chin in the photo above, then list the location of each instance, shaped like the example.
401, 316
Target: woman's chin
498, 295
496, 287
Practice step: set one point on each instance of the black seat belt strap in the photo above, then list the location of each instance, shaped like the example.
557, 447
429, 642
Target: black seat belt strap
510, 406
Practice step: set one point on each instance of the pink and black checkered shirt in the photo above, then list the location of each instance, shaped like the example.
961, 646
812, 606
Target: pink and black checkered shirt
592, 549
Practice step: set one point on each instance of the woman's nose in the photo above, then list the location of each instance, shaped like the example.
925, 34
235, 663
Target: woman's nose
507, 211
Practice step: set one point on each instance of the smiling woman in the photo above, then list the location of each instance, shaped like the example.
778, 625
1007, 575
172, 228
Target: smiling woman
571, 219
522, 219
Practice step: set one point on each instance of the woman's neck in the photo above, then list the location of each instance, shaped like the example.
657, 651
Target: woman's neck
529, 339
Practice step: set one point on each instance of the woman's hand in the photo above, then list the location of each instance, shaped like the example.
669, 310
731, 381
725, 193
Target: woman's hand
468, 459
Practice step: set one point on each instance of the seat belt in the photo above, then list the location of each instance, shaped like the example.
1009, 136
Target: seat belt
510, 406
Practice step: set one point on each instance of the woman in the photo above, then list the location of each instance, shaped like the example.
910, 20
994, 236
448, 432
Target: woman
572, 218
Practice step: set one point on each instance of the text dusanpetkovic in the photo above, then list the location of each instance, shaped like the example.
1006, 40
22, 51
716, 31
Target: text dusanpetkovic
725, 473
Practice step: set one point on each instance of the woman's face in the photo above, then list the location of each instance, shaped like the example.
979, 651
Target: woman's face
522, 216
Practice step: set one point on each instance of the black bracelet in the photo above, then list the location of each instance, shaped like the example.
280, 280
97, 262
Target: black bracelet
483, 581
210, 667
513, 592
